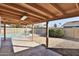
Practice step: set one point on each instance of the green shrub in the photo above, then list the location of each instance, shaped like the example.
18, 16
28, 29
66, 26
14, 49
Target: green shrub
56, 33
51, 32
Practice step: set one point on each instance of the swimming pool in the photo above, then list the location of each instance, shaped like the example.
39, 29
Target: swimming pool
10, 35
18, 35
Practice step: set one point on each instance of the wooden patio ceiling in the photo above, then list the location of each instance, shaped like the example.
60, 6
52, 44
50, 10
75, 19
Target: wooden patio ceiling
37, 12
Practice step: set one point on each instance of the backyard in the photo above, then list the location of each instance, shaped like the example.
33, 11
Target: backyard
62, 46
56, 42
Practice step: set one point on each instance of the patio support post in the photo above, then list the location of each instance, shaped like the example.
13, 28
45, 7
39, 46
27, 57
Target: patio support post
4, 31
32, 32
47, 34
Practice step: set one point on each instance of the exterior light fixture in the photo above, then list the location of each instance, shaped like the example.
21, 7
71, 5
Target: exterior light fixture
24, 17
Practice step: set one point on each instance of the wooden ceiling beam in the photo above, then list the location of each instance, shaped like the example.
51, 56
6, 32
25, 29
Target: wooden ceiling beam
13, 21
25, 11
2, 11
25, 22
9, 9
73, 14
6, 16
77, 5
12, 18
35, 19
18, 12
57, 9
15, 15
35, 10
9, 15
71, 11
9, 21
47, 7
43, 7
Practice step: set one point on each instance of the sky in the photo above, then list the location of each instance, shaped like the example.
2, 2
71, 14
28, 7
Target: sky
61, 22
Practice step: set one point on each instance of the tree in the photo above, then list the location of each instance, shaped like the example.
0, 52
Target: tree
55, 25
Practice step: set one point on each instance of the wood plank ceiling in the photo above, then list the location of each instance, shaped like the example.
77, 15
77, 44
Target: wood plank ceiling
37, 12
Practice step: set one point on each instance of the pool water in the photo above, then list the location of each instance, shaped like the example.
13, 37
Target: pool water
9, 35
15, 35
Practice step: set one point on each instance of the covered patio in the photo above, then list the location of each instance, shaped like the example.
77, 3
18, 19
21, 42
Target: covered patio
35, 13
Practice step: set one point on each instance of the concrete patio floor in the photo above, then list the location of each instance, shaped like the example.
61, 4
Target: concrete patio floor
58, 42
24, 48
66, 47
31, 48
6, 48
57, 47
63, 43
